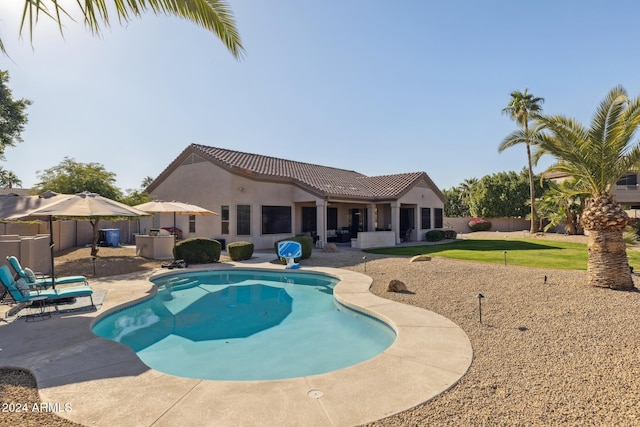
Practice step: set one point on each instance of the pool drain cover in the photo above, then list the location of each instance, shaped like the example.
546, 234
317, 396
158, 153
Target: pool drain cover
316, 394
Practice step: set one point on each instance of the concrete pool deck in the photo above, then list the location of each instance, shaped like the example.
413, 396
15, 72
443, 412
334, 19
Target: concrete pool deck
104, 383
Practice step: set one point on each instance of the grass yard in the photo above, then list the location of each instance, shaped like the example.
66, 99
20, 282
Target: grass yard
525, 252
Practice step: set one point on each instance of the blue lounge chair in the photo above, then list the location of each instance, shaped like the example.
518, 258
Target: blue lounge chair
290, 250
22, 293
43, 282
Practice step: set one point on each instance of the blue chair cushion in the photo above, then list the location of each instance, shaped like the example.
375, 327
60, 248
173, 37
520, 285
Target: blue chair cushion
75, 291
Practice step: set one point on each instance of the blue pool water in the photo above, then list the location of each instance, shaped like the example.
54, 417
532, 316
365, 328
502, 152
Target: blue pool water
246, 325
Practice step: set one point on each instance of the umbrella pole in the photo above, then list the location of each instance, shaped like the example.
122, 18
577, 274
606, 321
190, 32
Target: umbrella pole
51, 244
174, 236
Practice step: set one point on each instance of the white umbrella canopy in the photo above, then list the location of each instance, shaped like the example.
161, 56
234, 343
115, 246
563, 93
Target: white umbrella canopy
181, 208
86, 205
82, 205
159, 206
13, 206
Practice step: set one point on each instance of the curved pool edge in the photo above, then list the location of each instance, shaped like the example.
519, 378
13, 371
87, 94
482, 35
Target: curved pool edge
429, 356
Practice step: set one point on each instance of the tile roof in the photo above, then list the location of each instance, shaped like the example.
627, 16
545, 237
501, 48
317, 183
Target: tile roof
16, 191
324, 179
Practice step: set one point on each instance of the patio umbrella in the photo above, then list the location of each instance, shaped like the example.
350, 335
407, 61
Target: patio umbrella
181, 208
12, 205
81, 205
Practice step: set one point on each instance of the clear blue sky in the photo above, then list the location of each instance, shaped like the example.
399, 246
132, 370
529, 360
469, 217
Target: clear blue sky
372, 86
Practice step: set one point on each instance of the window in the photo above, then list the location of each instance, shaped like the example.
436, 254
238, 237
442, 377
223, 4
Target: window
224, 217
243, 220
425, 218
192, 223
629, 179
309, 219
438, 218
276, 219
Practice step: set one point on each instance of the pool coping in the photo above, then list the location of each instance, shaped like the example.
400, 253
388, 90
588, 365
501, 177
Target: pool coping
105, 383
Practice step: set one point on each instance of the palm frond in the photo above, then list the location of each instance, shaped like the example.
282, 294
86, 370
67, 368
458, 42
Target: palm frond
599, 155
212, 15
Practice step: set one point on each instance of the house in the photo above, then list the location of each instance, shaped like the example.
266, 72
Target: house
626, 191
263, 199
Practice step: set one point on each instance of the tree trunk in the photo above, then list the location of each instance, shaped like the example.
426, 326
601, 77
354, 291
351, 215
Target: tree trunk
532, 193
608, 265
94, 243
570, 220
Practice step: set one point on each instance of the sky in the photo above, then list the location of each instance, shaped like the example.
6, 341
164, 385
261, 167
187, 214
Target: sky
371, 86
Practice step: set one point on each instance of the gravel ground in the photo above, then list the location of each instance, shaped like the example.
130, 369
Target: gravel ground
554, 353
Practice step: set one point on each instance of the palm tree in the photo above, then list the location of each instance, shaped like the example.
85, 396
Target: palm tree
562, 204
8, 179
466, 187
147, 181
597, 157
213, 15
522, 107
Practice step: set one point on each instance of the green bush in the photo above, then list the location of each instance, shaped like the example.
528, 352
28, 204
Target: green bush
305, 241
434, 235
239, 251
450, 234
635, 224
198, 251
479, 224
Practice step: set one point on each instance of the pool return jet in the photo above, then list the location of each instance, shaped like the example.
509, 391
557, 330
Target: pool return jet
290, 250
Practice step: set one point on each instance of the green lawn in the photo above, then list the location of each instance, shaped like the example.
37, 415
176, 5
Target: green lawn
526, 252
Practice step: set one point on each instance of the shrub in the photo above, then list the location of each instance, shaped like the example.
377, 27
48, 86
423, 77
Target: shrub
305, 241
198, 251
479, 224
635, 224
434, 235
450, 234
239, 251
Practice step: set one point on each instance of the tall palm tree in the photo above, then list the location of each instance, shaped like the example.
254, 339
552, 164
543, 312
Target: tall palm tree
8, 179
597, 157
213, 15
522, 107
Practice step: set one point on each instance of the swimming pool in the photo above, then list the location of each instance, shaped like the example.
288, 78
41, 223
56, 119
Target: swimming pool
246, 324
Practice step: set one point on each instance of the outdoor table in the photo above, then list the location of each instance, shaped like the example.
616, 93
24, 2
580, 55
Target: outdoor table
38, 304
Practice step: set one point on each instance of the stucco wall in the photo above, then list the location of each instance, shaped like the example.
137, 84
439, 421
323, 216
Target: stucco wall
32, 251
69, 234
461, 225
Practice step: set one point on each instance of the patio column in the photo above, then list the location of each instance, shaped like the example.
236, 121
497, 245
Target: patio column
371, 220
395, 220
321, 221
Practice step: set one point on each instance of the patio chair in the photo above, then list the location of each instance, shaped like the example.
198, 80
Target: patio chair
22, 293
5, 296
290, 250
41, 282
